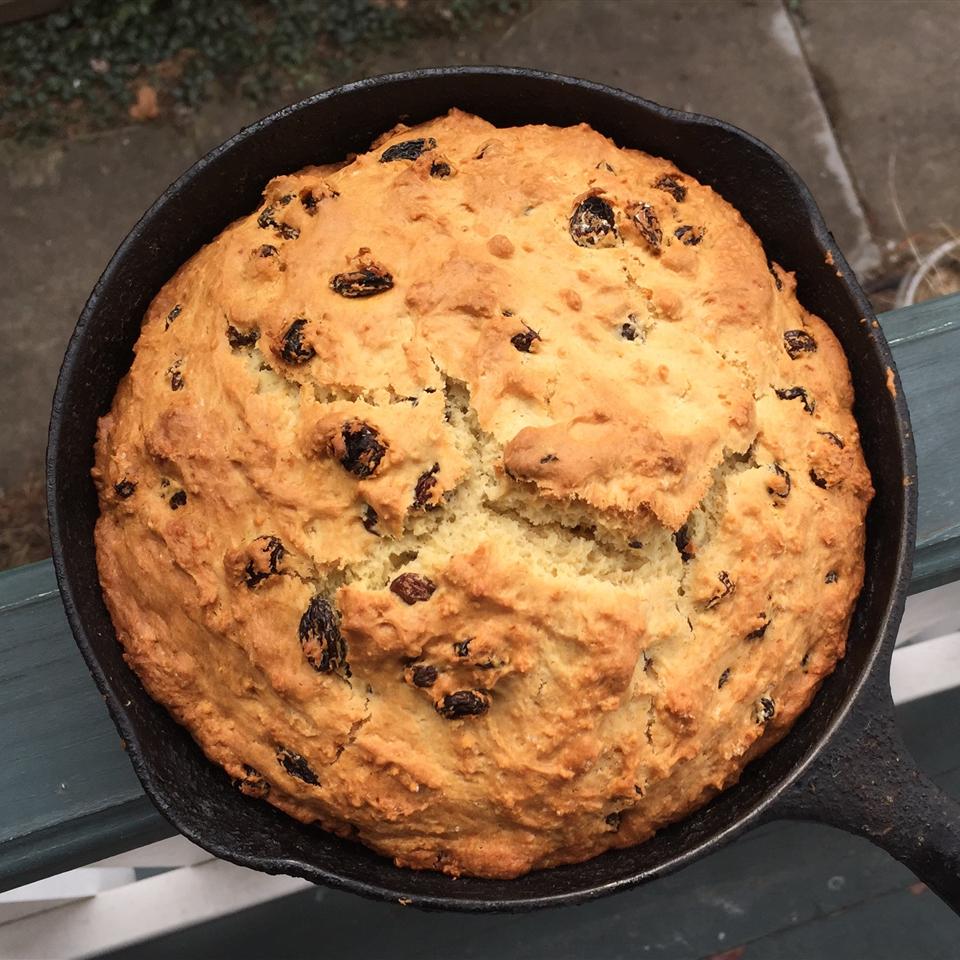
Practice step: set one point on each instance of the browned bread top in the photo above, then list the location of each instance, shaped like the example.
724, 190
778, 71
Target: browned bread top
488, 497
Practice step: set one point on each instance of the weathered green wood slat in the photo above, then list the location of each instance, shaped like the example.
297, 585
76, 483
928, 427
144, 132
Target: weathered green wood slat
926, 344
67, 793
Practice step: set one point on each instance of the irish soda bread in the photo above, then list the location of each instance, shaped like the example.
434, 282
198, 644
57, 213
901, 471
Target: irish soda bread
488, 497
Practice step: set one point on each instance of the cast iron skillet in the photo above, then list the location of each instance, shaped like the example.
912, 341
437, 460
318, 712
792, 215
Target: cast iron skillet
843, 763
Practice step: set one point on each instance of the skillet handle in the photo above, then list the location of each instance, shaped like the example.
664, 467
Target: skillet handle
867, 783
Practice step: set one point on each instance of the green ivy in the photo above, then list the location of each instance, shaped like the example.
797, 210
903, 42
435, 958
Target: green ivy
78, 68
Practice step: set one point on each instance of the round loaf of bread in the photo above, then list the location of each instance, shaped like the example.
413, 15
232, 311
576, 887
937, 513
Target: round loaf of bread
488, 497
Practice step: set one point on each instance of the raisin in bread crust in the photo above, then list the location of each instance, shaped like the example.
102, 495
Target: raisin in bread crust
487, 498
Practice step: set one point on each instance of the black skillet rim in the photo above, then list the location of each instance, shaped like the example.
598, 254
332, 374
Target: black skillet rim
876, 658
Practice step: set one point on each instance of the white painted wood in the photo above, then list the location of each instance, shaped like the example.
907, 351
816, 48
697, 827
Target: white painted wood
84, 882
172, 852
141, 911
922, 669
931, 614
104, 875
15, 911
59, 890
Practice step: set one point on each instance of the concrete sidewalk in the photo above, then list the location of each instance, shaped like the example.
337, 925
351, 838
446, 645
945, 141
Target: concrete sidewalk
860, 97
741, 62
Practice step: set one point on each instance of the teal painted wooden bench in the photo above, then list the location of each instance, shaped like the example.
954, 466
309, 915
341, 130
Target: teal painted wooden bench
68, 795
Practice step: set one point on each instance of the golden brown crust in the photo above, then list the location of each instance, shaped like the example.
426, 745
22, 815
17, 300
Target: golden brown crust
493, 505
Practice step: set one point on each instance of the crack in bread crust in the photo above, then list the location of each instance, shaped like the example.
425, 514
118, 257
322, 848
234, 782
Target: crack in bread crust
489, 545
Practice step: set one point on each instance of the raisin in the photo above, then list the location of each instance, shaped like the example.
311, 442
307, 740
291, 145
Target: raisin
797, 342
320, 638
724, 677
365, 282
628, 331
172, 315
294, 351
831, 577
440, 169
462, 647
792, 393
267, 250
424, 675
284, 230
237, 338
786, 479
832, 437
422, 493
612, 820
635, 544
252, 783
728, 587
645, 219
549, 458
408, 149
176, 378
412, 588
463, 703
288, 232
363, 449
688, 235
682, 539
274, 552
297, 766
670, 184
758, 633
764, 709
310, 201
178, 499
775, 275
592, 223
285, 199
369, 521
523, 341
125, 488
818, 481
